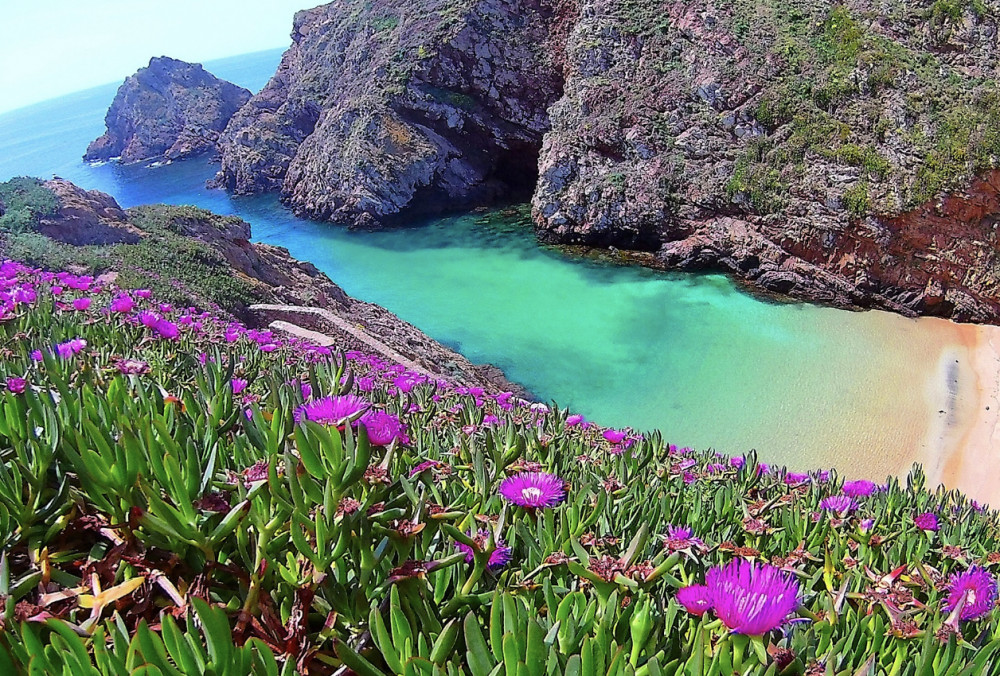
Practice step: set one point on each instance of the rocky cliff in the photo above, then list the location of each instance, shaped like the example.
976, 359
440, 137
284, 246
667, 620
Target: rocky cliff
833, 151
380, 107
192, 256
170, 109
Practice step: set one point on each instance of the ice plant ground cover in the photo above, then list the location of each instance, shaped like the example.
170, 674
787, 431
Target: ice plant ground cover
181, 495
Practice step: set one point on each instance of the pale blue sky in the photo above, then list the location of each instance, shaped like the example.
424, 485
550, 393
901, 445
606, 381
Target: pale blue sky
53, 47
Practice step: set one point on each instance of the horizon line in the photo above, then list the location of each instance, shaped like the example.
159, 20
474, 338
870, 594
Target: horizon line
205, 64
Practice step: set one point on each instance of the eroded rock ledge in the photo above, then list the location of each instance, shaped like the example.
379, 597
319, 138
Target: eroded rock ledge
171, 109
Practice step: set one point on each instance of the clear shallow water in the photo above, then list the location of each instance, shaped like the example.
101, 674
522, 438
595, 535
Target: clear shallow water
688, 354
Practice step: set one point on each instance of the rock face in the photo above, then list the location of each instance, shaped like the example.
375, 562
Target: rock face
383, 106
843, 152
170, 109
829, 151
86, 217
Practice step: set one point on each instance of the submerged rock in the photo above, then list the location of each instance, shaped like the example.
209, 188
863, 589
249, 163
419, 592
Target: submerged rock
171, 110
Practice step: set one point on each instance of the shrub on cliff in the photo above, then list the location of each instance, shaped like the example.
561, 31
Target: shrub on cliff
25, 200
180, 268
182, 495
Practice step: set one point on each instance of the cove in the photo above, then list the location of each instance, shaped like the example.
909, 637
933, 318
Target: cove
709, 365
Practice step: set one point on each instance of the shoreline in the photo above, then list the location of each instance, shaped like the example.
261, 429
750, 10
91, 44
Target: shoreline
960, 445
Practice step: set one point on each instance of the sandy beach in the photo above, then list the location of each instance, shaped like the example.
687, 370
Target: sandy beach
963, 446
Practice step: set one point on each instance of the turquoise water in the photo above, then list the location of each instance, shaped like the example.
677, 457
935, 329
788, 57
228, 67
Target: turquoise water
688, 354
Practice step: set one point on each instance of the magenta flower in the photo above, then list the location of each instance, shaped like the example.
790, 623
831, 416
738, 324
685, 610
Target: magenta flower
17, 385
142, 293
533, 489
680, 538
70, 347
383, 428
81, 304
614, 436
331, 410
838, 503
574, 420
499, 557
792, 478
166, 329
696, 599
751, 598
238, 385
926, 521
122, 303
859, 488
979, 589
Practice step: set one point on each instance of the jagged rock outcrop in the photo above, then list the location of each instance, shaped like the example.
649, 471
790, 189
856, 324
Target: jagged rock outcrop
86, 217
380, 107
833, 151
171, 110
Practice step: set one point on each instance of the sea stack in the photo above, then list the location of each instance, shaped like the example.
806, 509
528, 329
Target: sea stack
169, 110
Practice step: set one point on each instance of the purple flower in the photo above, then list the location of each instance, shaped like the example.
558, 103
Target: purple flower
533, 489
238, 385
979, 589
751, 598
331, 410
306, 389
737, 461
142, 293
614, 436
499, 557
859, 488
696, 599
681, 538
122, 303
792, 478
166, 329
838, 503
383, 428
926, 521
867, 524
36, 355
70, 347
679, 532
574, 420
81, 304
16, 385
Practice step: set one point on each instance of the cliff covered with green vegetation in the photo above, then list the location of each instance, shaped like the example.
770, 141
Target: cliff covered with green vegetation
843, 152
190, 257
